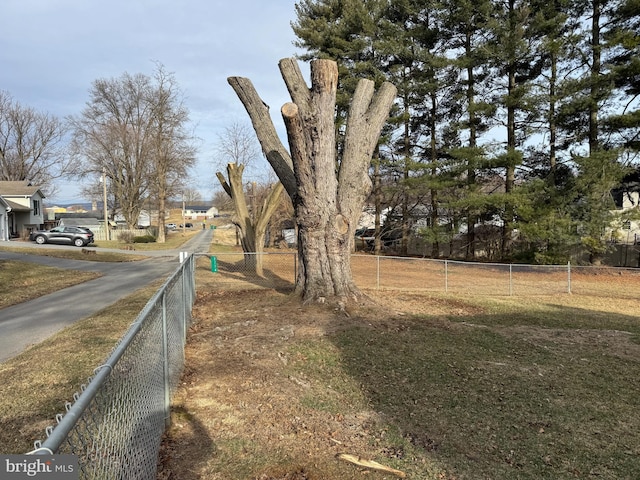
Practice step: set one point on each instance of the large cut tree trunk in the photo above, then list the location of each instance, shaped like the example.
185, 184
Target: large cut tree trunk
327, 195
253, 227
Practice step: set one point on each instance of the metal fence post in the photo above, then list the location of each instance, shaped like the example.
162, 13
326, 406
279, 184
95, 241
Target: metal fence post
510, 279
446, 276
165, 361
569, 276
186, 293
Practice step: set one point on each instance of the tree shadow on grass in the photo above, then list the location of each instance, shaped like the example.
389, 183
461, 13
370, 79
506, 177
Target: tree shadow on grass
230, 273
493, 401
186, 439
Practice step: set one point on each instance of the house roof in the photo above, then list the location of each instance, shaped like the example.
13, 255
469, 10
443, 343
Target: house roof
19, 188
78, 215
203, 208
16, 207
80, 221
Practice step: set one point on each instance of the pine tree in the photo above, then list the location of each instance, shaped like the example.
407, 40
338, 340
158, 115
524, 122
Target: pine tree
547, 233
344, 31
538, 74
408, 41
598, 174
517, 63
624, 39
465, 23
591, 92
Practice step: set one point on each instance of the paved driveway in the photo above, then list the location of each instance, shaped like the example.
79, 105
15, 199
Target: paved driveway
31, 322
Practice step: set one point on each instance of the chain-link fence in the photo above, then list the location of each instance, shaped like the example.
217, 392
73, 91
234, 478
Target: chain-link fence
116, 421
278, 270
381, 272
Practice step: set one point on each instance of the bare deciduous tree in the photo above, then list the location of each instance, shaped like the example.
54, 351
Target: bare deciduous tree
32, 144
236, 144
172, 146
327, 194
191, 195
133, 127
112, 133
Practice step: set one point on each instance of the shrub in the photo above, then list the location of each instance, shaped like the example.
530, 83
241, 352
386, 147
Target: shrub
125, 237
144, 239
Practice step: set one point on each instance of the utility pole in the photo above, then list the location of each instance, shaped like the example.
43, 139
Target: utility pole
104, 206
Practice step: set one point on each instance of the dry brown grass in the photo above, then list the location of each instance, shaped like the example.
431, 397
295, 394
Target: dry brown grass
439, 386
35, 384
24, 281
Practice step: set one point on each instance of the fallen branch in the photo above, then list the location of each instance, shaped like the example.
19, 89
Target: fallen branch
362, 462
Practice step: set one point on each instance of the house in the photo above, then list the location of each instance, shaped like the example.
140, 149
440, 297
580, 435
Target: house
4, 220
144, 219
25, 203
199, 211
78, 220
627, 201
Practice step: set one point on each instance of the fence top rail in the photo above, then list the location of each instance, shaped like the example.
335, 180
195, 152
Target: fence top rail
220, 254
440, 260
65, 424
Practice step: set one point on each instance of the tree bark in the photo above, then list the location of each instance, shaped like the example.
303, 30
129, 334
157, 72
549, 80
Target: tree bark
252, 225
327, 196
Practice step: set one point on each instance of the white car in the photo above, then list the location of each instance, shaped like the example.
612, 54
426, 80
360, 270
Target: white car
171, 226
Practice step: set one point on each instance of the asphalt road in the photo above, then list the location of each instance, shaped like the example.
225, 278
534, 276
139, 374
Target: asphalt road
31, 322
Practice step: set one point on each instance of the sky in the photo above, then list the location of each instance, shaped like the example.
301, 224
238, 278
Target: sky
52, 50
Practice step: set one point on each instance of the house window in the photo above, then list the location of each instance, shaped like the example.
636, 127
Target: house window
36, 207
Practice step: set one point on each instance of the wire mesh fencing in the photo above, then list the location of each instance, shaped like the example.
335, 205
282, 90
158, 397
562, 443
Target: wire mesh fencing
458, 277
237, 270
251, 270
115, 423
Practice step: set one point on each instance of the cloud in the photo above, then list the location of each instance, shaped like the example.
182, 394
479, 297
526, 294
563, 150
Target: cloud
53, 51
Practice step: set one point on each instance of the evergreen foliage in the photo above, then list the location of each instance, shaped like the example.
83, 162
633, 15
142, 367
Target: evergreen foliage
514, 122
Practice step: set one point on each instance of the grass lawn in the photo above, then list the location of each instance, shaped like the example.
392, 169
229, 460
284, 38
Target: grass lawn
35, 384
173, 240
509, 392
74, 254
436, 386
28, 281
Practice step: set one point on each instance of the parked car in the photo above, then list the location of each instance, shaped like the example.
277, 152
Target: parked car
78, 236
171, 226
187, 225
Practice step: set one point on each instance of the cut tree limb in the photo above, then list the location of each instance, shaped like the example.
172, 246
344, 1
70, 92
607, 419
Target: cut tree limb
362, 462
274, 150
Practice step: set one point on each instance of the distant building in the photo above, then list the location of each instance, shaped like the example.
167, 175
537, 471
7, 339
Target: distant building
25, 210
627, 200
4, 220
78, 220
199, 211
144, 219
